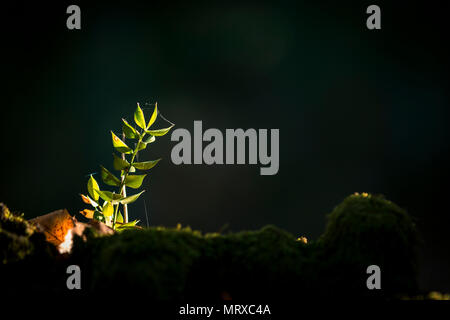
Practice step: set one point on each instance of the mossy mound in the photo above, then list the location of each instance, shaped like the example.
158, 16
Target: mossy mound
177, 264
27, 261
368, 229
15, 235
154, 261
264, 264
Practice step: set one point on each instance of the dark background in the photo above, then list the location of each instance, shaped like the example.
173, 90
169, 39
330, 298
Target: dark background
358, 110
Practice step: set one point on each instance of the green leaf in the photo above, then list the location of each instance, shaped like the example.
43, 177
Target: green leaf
108, 209
150, 139
110, 196
153, 117
119, 217
131, 223
92, 187
99, 216
109, 178
134, 181
119, 163
119, 144
105, 195
126, 226
139, 117
129, 131
159, 132
132, 198
142, 145
146, 165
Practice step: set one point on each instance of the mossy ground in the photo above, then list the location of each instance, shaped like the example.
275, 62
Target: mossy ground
269, 264
179, 263
27, 261
367, 229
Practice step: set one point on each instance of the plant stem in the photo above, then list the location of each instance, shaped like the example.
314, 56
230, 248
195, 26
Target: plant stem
125, 175
124, 190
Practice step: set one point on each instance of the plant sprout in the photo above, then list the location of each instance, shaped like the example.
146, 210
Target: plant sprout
109, 212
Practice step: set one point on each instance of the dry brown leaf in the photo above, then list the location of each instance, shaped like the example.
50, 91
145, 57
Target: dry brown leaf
88, 213
55, 225
59, 228
85, 199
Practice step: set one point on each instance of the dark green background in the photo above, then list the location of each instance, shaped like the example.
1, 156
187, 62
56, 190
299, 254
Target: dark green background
357, 110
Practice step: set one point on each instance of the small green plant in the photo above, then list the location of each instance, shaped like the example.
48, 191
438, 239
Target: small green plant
109, 212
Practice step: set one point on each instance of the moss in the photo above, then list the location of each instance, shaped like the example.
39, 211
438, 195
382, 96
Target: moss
265, 265
153, 261
175, 264
250, 264
27, 261
434, 295
368, 229
14, 236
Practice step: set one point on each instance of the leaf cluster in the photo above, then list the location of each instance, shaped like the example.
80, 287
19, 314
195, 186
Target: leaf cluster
130, 172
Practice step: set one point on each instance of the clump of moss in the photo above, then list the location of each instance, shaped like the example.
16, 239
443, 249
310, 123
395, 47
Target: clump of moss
368, 229
433, 295
14, 236
27, 261
263, 264
176, 264
154, 262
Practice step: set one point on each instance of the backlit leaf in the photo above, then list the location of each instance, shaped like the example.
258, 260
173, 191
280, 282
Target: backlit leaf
92, 187
129, 131
119, 163
153, 117
109, 196
119, 144
109, 178
129, 225
150, 139
108, 209
142, 145
139, 117
134, 181
159, 132
119, 217
145, 165
99, 216
131, 199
